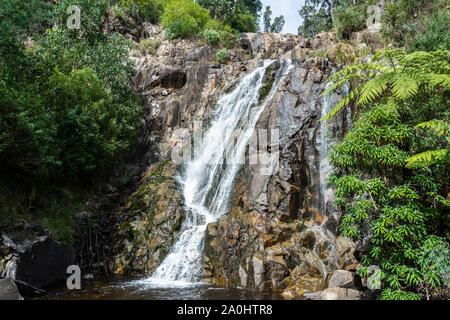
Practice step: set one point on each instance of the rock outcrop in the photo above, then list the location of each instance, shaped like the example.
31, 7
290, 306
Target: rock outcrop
8, 290
281, 230
37, 260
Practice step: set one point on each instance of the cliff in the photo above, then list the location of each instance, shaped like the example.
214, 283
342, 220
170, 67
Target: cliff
281, 231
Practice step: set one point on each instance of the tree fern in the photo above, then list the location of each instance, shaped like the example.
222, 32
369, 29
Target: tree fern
427, 158
395, 72
440, 128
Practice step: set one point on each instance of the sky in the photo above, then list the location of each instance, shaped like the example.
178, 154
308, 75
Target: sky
289, 9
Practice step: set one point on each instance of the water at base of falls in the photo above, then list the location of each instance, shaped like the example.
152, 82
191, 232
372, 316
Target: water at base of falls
207, 182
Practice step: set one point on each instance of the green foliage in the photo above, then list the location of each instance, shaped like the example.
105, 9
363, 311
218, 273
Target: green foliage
68, 111
349, 19
222, 55
394, 71
149, 46
211, 36
440, 129
391, 169
183, 18
316, 15
219, 8
432, 33
142, 10
243, 22
277, 24
404, 20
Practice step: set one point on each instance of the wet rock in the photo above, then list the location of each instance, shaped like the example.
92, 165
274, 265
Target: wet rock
149, 222
36, 260
280, 232
342, 279
313, 295
8, 290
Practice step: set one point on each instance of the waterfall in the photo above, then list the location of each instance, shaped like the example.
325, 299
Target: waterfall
325, 141
208, 179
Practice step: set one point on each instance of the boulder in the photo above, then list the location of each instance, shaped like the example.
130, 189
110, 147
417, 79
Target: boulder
341, 294
342, 279
313, 295
8, 290
38, 260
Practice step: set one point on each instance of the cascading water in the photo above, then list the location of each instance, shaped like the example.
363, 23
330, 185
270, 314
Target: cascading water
208, 179
325, 141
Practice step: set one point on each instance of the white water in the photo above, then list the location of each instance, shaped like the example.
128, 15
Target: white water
208, 182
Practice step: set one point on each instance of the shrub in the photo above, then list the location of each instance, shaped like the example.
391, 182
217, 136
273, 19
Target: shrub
400, 18
349, 19
149, 46
147, 10
183, 18
432, 33
242, 22
211, 36
391, 169
222, 56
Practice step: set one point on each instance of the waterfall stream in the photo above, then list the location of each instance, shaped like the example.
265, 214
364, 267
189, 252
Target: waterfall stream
208, 179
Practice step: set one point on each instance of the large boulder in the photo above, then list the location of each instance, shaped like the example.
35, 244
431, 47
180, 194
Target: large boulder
342, 279
8, 290
36, 260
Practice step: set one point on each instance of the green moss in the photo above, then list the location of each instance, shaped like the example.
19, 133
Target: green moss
268, 80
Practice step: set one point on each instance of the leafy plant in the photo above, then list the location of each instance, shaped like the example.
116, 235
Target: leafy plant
211, 36
183, 18
392, 71
391, 169
222, 55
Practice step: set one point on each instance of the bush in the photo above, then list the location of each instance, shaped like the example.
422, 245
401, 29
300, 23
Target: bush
432, 33
149, 46
242, 22
222, 56
349, 19
183, 18
68, 112
211, 36
400, 18
147, 10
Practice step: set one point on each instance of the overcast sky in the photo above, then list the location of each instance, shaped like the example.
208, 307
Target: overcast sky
289, 9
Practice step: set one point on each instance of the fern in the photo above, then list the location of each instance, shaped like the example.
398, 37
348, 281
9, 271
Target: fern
392, 70
427, 158
440, 128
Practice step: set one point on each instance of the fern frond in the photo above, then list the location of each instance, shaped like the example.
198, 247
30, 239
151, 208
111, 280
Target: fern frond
404, 86
441, 127
427, 158
344, 102
374, 88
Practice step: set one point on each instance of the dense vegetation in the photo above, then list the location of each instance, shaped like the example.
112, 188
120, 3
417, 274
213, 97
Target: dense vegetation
216, 21
418, 25
67, 113
391, 170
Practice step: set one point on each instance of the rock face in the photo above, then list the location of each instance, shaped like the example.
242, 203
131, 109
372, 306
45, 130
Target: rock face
35, 260
280, 233
342, 279
281, 230
8, 290
150, 221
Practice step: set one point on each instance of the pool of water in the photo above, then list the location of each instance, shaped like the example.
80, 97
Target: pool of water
142, 289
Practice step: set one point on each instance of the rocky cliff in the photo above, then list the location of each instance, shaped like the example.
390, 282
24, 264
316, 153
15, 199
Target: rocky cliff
281, 230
